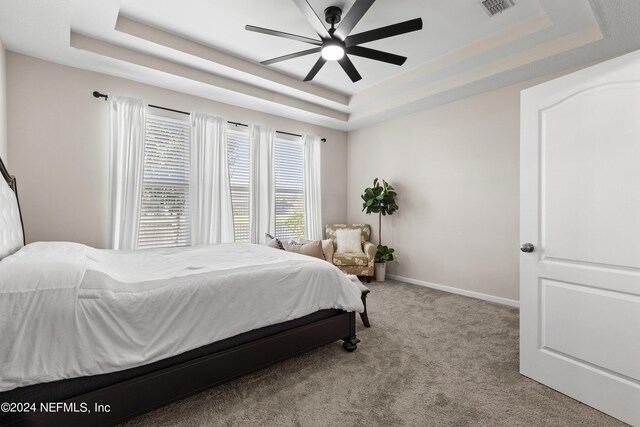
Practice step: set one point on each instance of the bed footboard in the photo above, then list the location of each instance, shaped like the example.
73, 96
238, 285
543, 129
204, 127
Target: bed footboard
121, 401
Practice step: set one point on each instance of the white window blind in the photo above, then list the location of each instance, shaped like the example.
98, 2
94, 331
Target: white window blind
289, 166
164, 212
238, 157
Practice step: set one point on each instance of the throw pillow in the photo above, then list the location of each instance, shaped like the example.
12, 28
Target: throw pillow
272, 242
327, 249
299, 241
348, 241
313, 249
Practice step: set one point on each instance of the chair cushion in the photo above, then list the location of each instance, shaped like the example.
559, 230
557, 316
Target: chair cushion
345, 259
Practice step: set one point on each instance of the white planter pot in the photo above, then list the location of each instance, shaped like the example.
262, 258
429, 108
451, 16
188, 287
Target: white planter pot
381, 271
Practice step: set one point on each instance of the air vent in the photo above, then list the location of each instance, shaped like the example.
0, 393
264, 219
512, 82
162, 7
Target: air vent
493, 7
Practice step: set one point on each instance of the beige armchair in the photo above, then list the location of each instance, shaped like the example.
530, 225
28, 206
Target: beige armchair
354, 263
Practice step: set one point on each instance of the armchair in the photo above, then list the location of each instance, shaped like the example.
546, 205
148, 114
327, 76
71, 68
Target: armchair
354, 263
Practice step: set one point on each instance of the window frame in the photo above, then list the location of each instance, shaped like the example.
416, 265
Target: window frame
244, 132
291, 140
180, 223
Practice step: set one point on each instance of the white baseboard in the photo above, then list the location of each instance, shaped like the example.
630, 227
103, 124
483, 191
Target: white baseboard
478, 295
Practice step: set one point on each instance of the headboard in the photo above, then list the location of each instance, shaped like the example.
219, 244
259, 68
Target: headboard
11, 181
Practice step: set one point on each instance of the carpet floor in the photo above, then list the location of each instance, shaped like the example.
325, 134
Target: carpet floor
430, 359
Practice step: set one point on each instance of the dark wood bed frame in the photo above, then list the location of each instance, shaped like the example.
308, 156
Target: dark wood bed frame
144, 393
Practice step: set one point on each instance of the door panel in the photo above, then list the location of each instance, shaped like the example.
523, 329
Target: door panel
580, 208
590, 164
573, 316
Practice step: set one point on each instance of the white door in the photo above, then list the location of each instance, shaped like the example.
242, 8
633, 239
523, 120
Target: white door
580, 211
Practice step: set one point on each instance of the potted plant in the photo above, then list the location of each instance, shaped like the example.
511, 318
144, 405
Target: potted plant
383, 255
380, 199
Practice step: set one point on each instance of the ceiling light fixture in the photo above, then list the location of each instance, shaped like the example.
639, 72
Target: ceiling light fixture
332, 51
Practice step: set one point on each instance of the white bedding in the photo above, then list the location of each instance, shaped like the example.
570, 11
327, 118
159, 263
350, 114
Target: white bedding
68, 310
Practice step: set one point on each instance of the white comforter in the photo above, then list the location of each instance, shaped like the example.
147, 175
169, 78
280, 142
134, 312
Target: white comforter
68, 310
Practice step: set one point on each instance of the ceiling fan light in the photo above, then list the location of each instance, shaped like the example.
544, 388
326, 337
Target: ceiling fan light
332, 52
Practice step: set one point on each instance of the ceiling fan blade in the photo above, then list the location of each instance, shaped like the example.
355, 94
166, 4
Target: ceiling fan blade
384, 32
282, 34
377, 55
349, 68
291, 56
321, 61
314, 20
352, 18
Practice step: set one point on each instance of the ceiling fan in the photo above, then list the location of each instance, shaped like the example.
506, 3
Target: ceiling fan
336, 43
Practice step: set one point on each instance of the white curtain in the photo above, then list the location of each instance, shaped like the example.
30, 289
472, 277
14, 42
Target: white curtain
210, 193
312, 187
126, 163
263, 198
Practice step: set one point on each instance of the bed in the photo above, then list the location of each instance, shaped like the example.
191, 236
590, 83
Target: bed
94, 337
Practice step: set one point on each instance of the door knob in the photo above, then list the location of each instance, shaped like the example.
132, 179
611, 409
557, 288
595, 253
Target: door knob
526, 247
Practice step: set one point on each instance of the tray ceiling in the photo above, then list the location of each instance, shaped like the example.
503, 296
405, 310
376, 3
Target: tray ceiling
201, 47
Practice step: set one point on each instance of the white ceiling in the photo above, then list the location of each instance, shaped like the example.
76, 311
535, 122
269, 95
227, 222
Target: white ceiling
201, 47
223, 28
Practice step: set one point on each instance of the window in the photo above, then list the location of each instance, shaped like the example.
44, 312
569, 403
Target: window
289, 165
164, 212
238, 157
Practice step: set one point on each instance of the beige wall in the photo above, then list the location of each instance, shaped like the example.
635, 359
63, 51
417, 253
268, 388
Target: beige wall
58, 143
456, 169
3, 106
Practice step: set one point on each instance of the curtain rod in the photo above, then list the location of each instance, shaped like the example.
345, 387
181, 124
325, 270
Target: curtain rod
97, 94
